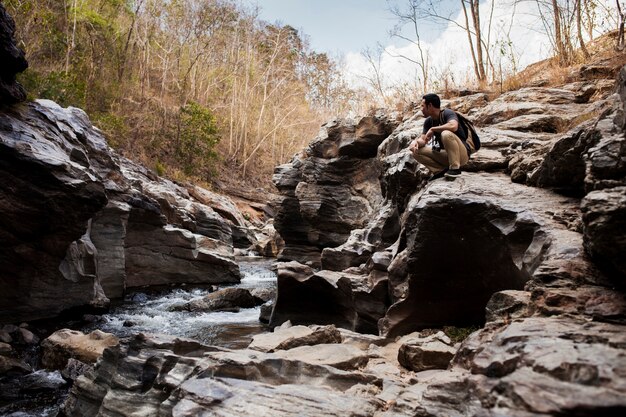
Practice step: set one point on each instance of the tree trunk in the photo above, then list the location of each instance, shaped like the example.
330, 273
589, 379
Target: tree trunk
620, 27
579, 28
558, 35
469, 38
479, 50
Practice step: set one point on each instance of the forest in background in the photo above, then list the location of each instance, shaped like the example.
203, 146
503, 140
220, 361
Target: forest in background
205, 90
191, 88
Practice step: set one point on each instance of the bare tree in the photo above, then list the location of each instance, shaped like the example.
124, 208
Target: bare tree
410, 16
620, 27
375, 78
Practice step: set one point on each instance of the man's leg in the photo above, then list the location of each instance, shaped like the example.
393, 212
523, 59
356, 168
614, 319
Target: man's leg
433, 160
455, 149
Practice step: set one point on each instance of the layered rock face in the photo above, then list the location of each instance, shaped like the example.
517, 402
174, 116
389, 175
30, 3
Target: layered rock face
444, 248
331, 189
81, 225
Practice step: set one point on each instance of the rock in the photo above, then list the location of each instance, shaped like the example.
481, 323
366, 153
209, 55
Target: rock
344, 357
74, 369
26, 336
227, 299
12, 367
425, 353
5, 336
344, 299
64, 344
266, 312
524, 235
179, 373
507, 305
600, 303
47, 198
268, 241
108, 234
295, 336
13, 60
604, 217
330, 190
42, 380
5, 348
469, 104
263, 294
163, 254
225, 396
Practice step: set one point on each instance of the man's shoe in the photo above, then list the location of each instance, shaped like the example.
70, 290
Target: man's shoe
453, 173
438, 175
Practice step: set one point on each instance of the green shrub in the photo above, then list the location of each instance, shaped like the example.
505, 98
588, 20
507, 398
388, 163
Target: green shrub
458, 334
65, 89
197, 138
115, 127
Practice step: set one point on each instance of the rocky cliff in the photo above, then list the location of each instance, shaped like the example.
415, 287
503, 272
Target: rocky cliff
80, 224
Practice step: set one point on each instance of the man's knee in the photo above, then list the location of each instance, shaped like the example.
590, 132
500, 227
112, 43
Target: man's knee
447, 136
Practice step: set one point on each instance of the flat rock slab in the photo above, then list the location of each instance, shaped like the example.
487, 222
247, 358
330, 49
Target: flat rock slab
295, 336
224, 397
345, 357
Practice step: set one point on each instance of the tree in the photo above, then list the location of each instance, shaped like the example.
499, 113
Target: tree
410, 16
429, 10
620, 26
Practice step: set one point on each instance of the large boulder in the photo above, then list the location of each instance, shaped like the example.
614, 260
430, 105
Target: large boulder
465, 240
345, 299
49, 190
331, 189
64, 344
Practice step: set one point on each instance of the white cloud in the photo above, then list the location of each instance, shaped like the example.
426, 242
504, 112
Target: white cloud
525, 41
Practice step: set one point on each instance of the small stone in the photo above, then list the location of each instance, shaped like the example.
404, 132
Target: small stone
27, 336
5, 348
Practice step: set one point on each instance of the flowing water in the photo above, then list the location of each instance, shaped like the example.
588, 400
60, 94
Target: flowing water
41, 392
152, 312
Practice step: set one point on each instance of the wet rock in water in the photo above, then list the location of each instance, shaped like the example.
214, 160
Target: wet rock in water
266, 312
263, 295
419, 353
11, 366
294, 336
74, 369
227, 299
64, 344
42, 380
139, 298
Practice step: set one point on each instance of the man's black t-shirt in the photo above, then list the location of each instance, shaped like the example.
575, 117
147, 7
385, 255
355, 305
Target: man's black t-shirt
444, 117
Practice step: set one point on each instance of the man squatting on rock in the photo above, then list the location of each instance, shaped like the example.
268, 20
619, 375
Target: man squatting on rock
451, 149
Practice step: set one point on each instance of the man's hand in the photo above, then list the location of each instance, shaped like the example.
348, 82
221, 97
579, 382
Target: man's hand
415, 144
429, 134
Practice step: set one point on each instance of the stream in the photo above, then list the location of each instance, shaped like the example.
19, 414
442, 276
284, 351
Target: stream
40, 393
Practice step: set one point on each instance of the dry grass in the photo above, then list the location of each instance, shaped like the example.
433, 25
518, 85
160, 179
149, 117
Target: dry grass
548, 73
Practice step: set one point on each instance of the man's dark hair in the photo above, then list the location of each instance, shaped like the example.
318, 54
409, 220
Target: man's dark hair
432, 99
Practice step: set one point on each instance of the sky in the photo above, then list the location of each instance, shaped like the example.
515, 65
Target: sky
344, 28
